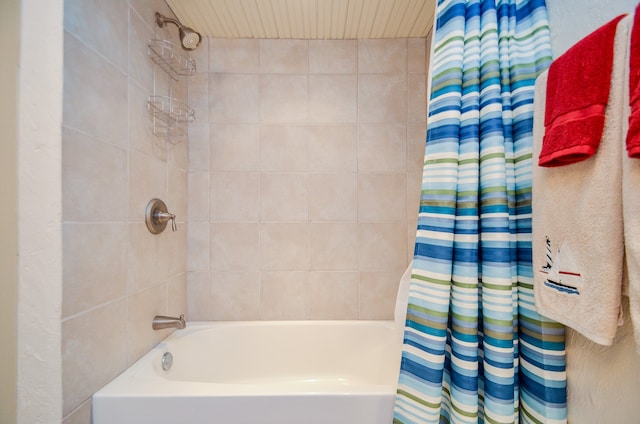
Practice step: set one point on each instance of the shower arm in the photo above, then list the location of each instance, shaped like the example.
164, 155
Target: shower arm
161, 20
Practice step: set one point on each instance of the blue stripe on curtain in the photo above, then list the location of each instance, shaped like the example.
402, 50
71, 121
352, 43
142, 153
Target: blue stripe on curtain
475, 349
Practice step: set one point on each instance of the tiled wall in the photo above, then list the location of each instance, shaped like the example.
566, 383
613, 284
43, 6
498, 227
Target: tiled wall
116, 275
304, 177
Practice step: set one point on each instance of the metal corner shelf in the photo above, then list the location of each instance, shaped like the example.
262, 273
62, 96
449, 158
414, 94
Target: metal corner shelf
170, 116
163, 54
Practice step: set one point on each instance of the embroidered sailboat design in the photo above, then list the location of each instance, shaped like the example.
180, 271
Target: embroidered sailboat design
562, 274
549, 263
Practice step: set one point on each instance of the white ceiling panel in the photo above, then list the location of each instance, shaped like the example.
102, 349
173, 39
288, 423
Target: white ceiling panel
307, 19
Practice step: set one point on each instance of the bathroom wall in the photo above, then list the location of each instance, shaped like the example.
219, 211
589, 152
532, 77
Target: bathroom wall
304, 177
603, 384
9, 67
38, 117
116, 275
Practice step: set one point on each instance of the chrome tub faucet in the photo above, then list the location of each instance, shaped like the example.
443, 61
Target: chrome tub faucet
161, 322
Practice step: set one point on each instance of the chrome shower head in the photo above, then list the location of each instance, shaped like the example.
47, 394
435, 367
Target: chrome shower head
189, 38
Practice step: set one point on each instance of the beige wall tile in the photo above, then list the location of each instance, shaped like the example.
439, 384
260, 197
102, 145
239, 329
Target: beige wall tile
141, 137
147, 180
102, 26
142, 307
235, 147
142, 263
235, 296
284, 197
382, 56
198, 255
198, 96
94, 265
178, 155
417, 49
378, 291
335, 139
283, 295
382, 247
284, 98
199, 146
382, 147
284, 148
82, 415
83, 346
112, 166
172, 254
140, 65
198, 299
416, 143
382, 197
234, 247
94, 91
94, 177
333, 98
177, 295
235, 197
334, 143
333, 56
334, 245
177, 202
146, 9
234, 98
284, 246
198, 197
333, 295
417, 98
333, 197
234, 55
333, 148
382, 98
280, 56
414, 188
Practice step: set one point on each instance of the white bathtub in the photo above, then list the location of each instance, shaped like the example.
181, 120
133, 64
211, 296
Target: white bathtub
277, 372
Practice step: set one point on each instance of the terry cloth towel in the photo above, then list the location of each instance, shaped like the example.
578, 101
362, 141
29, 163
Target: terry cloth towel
633, 133
577, 94
577, 220
630, 185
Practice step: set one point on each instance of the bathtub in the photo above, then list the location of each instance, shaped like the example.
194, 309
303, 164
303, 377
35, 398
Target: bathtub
271, 372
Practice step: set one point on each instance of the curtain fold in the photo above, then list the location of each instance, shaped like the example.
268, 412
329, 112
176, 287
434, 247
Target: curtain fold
475, 350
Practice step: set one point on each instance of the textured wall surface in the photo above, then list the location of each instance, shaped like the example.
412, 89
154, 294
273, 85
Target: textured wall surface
571, 20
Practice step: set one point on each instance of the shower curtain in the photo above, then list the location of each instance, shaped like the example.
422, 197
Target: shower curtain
475, 350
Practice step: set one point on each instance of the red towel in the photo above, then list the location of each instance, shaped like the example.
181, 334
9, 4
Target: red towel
633, 134
577, 94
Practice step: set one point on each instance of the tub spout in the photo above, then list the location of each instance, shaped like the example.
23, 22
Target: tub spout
161, 322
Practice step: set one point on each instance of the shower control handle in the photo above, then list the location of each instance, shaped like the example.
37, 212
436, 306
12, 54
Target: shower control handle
157, 216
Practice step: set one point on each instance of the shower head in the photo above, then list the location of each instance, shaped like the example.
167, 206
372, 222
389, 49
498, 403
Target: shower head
189, 38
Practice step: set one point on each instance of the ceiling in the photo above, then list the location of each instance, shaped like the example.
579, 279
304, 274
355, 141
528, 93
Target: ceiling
307, 19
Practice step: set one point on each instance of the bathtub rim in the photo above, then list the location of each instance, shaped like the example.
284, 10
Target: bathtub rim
139, 380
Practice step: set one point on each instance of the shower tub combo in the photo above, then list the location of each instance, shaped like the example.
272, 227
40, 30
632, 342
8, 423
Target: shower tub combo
278, 372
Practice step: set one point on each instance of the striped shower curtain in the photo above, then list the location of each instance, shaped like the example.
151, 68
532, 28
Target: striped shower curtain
475, 349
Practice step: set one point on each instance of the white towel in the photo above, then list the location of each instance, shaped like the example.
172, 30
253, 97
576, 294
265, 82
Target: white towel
631, 217
577, 220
